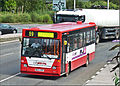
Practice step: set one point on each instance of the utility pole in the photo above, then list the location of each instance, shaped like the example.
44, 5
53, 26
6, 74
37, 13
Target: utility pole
74, 4
108, 4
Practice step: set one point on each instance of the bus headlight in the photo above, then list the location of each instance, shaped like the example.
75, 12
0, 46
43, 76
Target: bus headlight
53, 67
25, 65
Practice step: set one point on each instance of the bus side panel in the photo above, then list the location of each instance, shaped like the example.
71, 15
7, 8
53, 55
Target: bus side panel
79, 62
91, 56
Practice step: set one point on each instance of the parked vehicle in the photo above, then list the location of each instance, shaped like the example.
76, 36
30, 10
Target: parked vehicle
5, 29
106, 20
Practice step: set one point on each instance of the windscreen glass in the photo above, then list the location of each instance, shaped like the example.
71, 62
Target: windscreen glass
42, 48
69, 18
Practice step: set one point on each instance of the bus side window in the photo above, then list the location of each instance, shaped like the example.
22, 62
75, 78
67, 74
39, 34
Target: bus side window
75, 43
93, 35
71, 43
84, 38
88, 37
80, 40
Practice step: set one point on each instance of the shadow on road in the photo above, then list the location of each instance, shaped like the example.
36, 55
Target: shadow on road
106, 40
39, 77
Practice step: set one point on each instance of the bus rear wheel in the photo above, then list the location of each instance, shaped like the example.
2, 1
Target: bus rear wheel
117, 35
97, 39
87, 61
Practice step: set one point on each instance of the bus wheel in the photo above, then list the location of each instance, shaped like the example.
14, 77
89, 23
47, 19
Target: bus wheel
0, 32
117, 35
97, 39
87, 61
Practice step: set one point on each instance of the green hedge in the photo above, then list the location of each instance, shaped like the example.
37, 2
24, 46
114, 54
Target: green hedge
26, 17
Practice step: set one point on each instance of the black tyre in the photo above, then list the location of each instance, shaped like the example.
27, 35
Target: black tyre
0, 32
117, 35
97, 39
87, 61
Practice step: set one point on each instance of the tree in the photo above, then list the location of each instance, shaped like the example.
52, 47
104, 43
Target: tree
69, 4
10, 5
20, 5
31, 5
113, 6
86, 4
2, 3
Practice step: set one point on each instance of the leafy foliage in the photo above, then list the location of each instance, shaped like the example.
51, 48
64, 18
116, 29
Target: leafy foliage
8, 5
114, 4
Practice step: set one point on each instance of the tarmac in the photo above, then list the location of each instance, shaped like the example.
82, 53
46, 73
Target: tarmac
104, 77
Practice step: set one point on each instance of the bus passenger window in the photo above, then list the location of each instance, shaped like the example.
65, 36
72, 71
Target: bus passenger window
84, 38
88, 37
71, 43
80, 40
93, 35
75, 43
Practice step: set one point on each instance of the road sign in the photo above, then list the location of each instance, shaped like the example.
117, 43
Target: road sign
59, 5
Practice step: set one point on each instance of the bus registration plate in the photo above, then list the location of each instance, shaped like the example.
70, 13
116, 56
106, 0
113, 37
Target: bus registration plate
41, 70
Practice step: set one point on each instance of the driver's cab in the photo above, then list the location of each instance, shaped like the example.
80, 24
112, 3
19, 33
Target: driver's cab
69, 16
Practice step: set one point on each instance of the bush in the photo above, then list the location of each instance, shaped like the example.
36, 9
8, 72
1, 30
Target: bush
17, 18
34, 17
0, 18
40, 19
47, 19
25, 17
9, 18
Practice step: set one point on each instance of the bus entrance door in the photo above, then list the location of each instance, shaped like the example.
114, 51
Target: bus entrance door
63, 60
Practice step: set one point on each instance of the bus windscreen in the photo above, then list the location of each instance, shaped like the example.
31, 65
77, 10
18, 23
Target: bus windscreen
43, 48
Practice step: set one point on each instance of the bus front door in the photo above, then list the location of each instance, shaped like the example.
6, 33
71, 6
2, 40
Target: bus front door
63, 60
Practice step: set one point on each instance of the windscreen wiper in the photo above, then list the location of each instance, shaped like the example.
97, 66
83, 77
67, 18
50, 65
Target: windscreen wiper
48, 57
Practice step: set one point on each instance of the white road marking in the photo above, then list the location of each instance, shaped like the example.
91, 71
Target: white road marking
9, 77
93, 77
105, 65
101, 69
97, 72
87, 81
9, 41
6, 54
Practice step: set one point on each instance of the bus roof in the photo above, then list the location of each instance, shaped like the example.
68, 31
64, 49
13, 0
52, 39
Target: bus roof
63, 27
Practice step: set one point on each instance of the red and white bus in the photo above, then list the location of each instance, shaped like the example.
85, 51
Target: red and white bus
57, 49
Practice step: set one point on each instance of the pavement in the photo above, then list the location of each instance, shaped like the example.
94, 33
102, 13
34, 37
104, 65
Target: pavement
11, 35
104, 77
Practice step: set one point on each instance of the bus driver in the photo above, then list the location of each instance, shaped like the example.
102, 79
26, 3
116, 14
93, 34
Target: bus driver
35, 45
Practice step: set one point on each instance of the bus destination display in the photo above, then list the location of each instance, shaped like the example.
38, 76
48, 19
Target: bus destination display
40, 34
